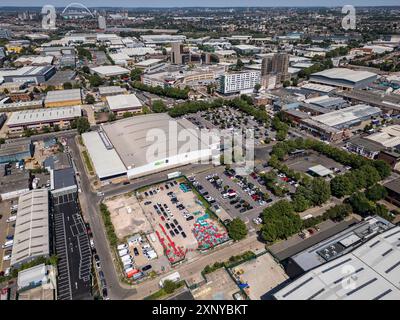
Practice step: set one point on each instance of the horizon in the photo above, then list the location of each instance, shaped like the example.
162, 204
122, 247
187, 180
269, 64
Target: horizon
160, 4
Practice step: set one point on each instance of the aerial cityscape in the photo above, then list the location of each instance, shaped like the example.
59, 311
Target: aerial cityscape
183, 153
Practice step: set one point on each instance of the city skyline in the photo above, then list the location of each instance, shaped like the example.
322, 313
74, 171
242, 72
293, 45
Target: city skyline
205, 3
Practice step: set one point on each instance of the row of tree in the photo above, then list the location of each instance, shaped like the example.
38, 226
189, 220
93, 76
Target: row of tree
170, 92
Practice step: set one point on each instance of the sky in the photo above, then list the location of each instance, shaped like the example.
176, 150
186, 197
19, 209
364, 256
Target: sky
197, 3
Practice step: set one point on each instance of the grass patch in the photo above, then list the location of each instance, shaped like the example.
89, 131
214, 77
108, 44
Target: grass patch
233, 261
88, 162
110, 231
169, 288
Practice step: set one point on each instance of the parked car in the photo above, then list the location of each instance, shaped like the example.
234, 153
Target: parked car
147, 267
135, 251
147, 203
7, 257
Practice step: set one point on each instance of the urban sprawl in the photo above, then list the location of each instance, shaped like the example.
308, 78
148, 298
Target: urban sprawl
86, 214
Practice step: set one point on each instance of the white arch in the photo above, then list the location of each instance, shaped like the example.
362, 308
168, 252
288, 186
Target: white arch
77, 4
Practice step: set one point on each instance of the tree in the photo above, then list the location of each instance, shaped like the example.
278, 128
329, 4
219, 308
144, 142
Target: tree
257, 87
169, 286
85, 69
2, 141
383, 168
239, 64
342, 186
376, 192
286, 83
237, 229
280, 221
82, 125
67, 85
361, 204
159, 106
127, 114
111, 117
136, 74
90, 99
95, 80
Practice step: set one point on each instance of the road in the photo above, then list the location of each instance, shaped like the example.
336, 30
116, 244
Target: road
90, 203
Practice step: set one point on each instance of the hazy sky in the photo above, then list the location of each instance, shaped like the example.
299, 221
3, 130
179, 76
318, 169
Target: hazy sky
202, 3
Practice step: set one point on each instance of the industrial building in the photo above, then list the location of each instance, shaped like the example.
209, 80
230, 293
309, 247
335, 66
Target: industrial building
327, 102
335, 125
62, 182
110, 71
145, 144
239, 82
39, 118
16, 151
368, 272
111, 91
31, 237
63, 98
124, 103
197, 76
344, 78
348, 117
393, 189
388, 137
162, 39
35, 75
37, 283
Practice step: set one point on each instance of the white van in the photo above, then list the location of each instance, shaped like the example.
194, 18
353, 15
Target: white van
126, 257
128, 266
11, 219
123, 252
8, 244
122, 246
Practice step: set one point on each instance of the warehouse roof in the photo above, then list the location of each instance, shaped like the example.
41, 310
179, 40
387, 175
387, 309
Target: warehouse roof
388, 136
44, 115
148, 62
131, 137
394, 185
346, 115
345, 74
105, 159
370, 272
108, 71
123, 101
63, 178
26, 71
111, 89
63, 95
31, 237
